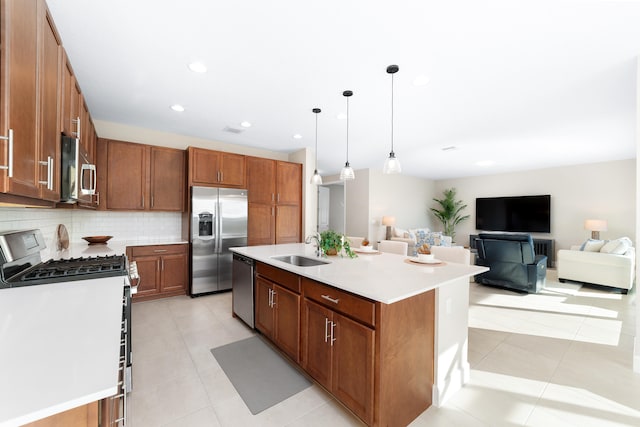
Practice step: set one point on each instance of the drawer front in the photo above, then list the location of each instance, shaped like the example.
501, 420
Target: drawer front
284, 278
158, 250
356, 307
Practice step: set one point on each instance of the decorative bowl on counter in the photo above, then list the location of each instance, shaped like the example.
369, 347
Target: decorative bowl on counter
97, 240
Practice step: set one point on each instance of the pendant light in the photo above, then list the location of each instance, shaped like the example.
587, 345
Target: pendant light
392, 164
316, 179
347, 172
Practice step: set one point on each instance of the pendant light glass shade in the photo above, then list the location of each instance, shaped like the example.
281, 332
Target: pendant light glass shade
316, 179
392, 164
347, 172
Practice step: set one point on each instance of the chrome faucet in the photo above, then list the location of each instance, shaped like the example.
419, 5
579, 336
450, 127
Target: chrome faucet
316, 237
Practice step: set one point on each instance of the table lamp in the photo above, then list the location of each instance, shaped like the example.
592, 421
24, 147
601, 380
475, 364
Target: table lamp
595, 226
388, 221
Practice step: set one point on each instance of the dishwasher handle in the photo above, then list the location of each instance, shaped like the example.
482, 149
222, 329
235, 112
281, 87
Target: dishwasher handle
248, 261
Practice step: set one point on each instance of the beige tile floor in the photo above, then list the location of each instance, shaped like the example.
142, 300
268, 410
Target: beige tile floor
558, 358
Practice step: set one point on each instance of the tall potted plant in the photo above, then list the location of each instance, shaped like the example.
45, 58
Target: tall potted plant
449, 211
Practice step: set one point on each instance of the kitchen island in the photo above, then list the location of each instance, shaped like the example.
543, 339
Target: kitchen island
59, 347
406, 325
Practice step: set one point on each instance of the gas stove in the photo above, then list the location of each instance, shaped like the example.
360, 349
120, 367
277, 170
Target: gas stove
21, 264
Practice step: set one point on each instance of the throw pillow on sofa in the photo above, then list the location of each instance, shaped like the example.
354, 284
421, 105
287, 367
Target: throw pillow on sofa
592, 245
432, 238
618, 246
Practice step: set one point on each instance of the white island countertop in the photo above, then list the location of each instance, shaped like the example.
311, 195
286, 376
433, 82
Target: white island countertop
382, 277
59, 347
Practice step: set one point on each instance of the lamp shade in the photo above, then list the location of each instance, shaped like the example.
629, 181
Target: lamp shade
389, 221
595, 224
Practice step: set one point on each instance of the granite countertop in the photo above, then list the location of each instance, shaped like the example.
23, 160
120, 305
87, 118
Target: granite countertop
60, 345
382, 277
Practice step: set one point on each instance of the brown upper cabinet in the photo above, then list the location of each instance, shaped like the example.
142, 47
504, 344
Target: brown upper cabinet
20, 97
216, 168
275, 201
140, 177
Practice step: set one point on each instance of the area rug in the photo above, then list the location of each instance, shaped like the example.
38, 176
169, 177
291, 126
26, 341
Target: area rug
261, 376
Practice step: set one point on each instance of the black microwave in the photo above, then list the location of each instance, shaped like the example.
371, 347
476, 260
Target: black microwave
78, 182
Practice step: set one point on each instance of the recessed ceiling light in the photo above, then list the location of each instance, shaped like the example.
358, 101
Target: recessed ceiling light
341, 116
485, 163
297, 136
177, 107
421, 80
198, 67
245, 124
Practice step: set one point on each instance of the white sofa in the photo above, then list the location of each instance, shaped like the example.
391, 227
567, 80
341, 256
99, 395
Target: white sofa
415, 237
600, 268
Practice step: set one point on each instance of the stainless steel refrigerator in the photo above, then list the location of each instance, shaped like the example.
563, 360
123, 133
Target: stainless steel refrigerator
218, 222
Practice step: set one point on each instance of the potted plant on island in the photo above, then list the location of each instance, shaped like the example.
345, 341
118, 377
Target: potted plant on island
449, 212
333, 243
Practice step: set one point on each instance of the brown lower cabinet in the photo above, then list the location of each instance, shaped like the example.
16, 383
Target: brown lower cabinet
376, 359
163, 270
277, 300
82, 416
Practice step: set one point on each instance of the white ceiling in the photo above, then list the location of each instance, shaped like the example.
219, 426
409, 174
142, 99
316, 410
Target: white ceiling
524, 84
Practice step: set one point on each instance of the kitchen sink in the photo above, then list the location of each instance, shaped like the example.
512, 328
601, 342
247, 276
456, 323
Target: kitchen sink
300, 261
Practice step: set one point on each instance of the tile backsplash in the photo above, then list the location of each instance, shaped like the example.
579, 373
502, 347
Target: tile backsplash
121, 225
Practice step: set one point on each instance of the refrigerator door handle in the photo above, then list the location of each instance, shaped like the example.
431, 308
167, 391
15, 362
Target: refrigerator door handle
219, 224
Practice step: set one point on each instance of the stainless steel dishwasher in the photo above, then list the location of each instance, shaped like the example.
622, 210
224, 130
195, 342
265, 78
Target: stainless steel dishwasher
242, 288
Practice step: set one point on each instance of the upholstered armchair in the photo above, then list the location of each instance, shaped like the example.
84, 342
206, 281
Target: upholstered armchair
512, 262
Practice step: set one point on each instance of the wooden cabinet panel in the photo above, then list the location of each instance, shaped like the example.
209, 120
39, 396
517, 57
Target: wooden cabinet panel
339, 354
276, 185
167, 182
50, 90
149, 271
203, 166
287, 321
163, 270
261, 180
208, 167
352, 367
140, 177
261, 224
288, 224
343, 302
174, 273
289, 183
126, 176
316, 350
263, 310
18, 65
82, 416
232, 170
70, 99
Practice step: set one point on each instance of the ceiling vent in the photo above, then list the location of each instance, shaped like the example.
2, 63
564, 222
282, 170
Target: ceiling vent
232, 130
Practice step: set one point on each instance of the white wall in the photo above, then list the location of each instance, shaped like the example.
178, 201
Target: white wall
600, 190
110, 130
405, 197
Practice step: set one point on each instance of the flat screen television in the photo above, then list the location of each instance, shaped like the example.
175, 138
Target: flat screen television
531, 214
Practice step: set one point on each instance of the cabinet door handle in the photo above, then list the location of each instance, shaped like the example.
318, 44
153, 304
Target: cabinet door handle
221, 176
333, 338
98, 199
333, 300
278, 198
159, 250
9, 166
273, 298
326, 329
49, 164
